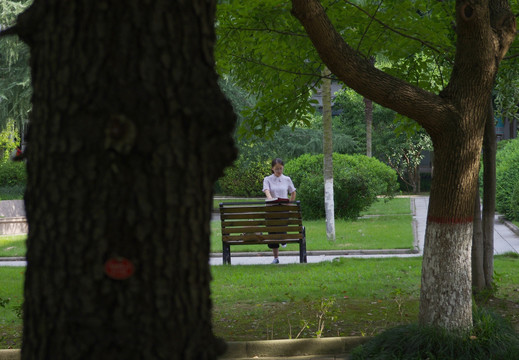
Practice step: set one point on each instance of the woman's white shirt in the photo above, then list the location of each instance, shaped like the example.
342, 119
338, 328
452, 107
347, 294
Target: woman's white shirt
279, 187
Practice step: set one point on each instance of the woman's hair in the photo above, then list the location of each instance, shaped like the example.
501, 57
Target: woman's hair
275, 162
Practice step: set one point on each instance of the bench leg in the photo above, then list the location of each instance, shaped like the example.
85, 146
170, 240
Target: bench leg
302, 248
226, 254
302, 251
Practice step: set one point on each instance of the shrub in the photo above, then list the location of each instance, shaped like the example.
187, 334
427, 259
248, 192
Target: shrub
514, 203
507, 179
357, 181
12, 173
7, 140
491, 338
15, 192
244, 178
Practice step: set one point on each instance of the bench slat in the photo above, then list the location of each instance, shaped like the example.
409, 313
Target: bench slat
260, 209
229, 223
261, 242
260, 229
263, 238
261, 216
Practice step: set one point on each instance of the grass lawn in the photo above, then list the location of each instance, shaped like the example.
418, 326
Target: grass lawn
395, 206
351, 296
11, 290
342, 298
12, 245
385, 225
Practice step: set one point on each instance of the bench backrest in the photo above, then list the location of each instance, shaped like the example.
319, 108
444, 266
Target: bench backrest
260, 223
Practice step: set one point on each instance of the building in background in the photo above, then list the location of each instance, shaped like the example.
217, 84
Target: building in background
506, 129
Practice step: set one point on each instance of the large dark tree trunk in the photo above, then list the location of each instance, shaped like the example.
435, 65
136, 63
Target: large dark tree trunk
129, 130
455, 120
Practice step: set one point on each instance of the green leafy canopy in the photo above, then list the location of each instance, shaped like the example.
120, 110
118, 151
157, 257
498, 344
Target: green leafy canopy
266, 52
15, 79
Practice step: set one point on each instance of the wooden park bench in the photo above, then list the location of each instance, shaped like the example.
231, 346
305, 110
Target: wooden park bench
246, 223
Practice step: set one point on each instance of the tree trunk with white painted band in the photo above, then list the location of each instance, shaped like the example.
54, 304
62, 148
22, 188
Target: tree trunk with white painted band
455, 119
328, 156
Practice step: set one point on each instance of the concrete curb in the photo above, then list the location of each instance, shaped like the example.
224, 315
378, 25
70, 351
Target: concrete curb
20, 258
268, 348
294, 253
290, 348
509, 224
14, 225
322, 252
12, 354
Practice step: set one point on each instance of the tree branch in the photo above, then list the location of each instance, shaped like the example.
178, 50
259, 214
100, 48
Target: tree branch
266, 29
257, 62
10, 31
373, 18
428, 109
367, 27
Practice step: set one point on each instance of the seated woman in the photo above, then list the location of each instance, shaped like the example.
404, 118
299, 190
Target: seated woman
278, 185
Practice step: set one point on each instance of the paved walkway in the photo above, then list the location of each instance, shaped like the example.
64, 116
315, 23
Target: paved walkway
505, 240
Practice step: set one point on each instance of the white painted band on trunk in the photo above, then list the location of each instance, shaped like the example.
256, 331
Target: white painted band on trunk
446, 292
329, 209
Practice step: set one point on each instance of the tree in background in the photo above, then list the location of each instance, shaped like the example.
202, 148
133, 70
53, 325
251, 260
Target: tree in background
404, 154
392, 140
15, 79
506, 98
455, 119
328, 155
256, 151
265, 52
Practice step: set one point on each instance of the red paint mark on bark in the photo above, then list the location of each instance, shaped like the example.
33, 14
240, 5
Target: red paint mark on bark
444, 220
119, 268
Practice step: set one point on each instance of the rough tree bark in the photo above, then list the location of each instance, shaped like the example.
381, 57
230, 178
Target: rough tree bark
329, 205
483, 238
368, 112
478, 275
128, 133
455, 120
489, 197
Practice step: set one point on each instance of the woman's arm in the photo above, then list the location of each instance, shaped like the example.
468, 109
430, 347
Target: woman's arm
267, 193
293, 196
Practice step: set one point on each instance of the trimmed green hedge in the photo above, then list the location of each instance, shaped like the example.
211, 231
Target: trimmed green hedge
357, 180
12, 173
244, 178
507, 179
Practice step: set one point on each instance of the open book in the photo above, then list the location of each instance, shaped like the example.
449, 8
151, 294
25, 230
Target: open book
277, 200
